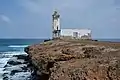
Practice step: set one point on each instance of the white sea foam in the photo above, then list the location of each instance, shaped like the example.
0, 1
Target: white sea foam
14, 53
1, 73
5, 57
21, 76
3, 62
18, 46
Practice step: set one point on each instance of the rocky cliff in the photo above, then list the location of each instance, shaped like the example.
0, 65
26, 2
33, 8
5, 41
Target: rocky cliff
75, 60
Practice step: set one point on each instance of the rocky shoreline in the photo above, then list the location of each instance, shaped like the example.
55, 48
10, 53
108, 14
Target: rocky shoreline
75, 60
17, 68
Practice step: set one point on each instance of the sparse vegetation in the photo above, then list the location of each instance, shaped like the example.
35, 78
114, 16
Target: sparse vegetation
76, 60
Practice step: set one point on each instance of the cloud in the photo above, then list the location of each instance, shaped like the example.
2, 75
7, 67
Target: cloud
94, 14
40, 6
5, 18
117, 2
33, 6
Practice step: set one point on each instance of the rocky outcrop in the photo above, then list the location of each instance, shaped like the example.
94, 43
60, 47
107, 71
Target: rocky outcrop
68, 60
17, 68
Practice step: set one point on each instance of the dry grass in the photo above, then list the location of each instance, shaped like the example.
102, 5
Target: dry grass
99, 43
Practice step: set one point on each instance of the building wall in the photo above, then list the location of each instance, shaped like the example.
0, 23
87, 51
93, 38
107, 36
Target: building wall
81, 33
56, 24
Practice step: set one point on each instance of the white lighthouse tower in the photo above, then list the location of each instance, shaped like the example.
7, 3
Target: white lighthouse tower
56, 25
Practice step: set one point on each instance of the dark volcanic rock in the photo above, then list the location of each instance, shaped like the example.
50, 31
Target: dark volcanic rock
17, 68
15, 71
69, 60
23, 56
14, 63
5, 78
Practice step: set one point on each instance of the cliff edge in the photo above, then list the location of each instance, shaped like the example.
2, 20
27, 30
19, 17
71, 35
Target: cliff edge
75, 60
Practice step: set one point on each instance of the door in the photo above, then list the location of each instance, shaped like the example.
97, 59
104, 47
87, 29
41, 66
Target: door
75, 34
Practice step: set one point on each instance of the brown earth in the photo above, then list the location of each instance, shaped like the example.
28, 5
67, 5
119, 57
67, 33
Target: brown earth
76, 60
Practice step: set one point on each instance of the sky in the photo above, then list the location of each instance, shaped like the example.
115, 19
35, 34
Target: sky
32, 18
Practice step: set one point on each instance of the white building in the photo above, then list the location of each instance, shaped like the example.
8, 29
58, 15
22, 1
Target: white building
67, 33
76, 33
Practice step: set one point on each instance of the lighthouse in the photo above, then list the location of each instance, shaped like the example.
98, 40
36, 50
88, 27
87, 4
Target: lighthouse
56, 30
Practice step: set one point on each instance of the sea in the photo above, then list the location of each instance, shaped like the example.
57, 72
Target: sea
11, 47
109, 40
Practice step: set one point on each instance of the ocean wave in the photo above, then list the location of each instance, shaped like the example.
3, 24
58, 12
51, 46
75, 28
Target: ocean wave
3, 62
4, 58
13, 53
18, 46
